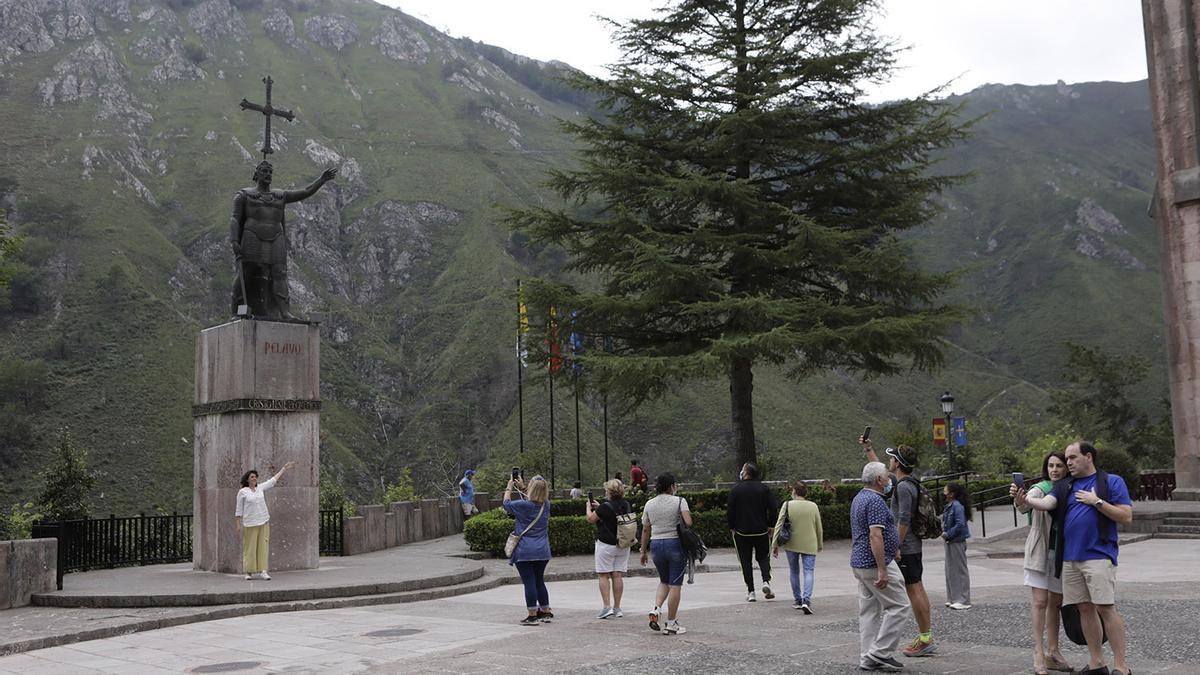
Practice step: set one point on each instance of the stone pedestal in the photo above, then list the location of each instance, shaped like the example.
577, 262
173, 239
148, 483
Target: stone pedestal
1172, 52
257, 406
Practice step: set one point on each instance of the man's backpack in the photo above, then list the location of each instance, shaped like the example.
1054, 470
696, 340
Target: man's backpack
926, 523
627, 529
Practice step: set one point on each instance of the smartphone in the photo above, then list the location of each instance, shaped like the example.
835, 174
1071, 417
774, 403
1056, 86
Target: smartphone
590, 496
867, 433
1019, 479
516, 473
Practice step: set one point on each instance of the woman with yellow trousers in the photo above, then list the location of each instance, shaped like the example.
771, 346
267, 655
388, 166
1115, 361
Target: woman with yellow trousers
253, 521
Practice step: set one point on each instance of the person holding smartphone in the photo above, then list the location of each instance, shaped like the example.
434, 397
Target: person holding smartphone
532, 553
612, 561
1043, 583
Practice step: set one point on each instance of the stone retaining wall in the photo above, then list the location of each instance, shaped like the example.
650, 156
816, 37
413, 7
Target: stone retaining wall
27, 566
381, 526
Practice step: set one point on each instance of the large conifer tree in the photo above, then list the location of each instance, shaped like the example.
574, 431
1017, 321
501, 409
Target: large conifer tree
740, 203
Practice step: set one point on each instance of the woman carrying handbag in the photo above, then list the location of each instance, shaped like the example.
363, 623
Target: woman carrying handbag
798, 531
528, 547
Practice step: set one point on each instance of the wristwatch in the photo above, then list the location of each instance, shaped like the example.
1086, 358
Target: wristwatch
1099, 503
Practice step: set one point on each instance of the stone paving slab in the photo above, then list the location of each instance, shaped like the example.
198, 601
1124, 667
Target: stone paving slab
389, 571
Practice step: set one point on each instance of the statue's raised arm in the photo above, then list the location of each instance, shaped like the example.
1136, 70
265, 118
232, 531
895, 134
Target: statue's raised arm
290, 196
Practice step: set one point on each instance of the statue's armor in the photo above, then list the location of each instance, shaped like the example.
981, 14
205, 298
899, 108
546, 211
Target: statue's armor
263, 237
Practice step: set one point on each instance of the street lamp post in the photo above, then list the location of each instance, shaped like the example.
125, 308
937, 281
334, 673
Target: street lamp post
948, 408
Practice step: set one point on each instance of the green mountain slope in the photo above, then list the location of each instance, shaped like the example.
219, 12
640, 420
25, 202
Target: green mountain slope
123, 146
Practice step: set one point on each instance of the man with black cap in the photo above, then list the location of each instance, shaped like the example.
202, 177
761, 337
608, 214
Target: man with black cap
905, 502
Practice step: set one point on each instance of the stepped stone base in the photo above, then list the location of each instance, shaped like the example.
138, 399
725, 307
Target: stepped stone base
1181, 494
257, 406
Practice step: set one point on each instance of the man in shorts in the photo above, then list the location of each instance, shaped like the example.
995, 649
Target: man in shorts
1088, 533
905, 501
466, 494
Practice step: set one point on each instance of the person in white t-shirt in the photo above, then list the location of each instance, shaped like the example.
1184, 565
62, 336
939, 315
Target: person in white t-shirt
253, 520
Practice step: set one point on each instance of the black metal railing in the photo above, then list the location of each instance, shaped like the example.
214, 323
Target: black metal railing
330, 531
94, 543
935, 484
997, 496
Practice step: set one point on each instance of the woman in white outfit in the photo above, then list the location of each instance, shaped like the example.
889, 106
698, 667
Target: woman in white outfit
253, 520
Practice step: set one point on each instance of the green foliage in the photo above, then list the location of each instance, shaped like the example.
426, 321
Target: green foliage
1096, 391
1036, 452
67, 483
10, 244
18, 522
402, 490
571, 534
741, 206
333, 495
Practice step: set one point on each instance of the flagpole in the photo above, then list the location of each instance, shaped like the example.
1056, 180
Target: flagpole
520, 379
604, 405
578, 465
552, 431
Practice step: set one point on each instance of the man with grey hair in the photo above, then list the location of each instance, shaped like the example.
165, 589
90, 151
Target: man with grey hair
883, 607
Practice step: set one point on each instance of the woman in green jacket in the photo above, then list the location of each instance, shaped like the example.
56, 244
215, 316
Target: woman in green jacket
807, 539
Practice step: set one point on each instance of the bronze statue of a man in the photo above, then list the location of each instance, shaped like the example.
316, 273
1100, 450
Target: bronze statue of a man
259, 237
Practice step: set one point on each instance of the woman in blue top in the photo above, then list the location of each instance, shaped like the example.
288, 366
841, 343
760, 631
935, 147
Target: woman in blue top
533, 550
956, 532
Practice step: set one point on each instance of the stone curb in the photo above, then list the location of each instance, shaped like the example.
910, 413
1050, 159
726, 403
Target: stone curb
60, 599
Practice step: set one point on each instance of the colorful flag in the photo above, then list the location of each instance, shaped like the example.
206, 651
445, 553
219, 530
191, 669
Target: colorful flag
576, 342
522, 329
939, 432
552, 342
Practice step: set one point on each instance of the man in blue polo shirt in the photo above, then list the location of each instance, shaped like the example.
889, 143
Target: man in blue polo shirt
1088, 533
883, 607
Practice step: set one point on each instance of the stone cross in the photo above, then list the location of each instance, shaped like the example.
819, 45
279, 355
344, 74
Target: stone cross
267, 111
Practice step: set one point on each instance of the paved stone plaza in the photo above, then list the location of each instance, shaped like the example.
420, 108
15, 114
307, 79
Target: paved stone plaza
477, 632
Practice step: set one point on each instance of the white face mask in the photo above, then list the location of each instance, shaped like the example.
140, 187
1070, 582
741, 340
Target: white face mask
887, 487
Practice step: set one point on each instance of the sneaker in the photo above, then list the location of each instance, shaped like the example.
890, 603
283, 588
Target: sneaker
531, 620
804, 607
797, 605
618, 613
750, 597
606, 613
249, 577
264, 576
868, 664
546, 616
959, 605
673, 628
654, 620
767, 592
885, 663
920, 647
949, 603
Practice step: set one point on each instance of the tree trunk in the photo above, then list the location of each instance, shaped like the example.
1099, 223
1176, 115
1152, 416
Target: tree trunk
741, 398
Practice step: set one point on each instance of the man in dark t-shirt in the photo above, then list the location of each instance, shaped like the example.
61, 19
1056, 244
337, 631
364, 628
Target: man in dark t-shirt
612, 561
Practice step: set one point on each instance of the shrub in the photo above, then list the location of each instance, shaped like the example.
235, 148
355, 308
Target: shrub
67, 483
573, 535
402, 490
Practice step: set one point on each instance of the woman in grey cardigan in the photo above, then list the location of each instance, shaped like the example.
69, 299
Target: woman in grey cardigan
956, 532
1039, 572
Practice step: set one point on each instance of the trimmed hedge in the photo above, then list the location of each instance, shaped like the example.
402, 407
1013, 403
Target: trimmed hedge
574, 535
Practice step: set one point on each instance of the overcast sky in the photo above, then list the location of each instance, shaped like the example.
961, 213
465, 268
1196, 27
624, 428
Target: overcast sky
972, 42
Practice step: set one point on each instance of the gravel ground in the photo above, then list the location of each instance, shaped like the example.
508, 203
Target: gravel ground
1158, 630
720, 661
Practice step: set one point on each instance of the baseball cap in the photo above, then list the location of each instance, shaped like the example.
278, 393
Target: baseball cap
905, 455
469, 472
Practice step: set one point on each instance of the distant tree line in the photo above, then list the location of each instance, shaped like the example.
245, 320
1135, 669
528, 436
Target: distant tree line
548, 80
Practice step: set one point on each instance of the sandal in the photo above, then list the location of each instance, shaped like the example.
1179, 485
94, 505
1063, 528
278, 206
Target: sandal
1040, 670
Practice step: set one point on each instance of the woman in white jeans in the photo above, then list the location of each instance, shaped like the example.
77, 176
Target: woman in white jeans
253, 520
